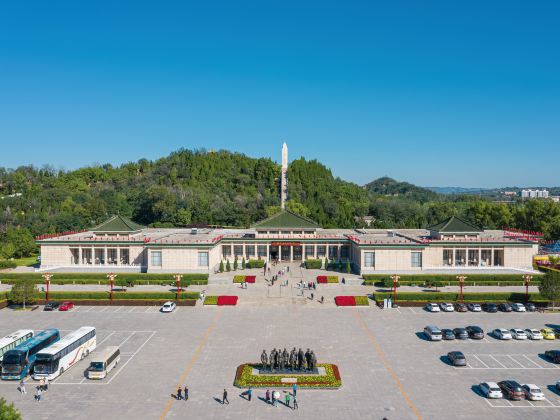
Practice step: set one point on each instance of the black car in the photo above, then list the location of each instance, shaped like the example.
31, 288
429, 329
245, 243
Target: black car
457, 358
490, 307
51, 306
461, 307
475, 332
461, 333
447, 334
505, 307
531, 307
512, 390
553, 355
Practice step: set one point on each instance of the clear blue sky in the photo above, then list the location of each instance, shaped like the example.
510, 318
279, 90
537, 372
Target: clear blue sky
432, 92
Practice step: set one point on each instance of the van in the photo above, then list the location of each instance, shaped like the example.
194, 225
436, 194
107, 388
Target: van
433, 333
103, 362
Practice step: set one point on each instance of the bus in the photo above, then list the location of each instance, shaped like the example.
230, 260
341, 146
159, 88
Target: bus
58, 358
14, 339
18, 362
103, 362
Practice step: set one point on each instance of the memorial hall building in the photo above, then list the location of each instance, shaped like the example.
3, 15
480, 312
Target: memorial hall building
121, 245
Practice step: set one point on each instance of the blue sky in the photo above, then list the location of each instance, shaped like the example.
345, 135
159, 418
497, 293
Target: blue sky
432, 92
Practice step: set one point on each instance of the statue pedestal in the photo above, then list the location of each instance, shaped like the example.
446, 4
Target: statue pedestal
288, 372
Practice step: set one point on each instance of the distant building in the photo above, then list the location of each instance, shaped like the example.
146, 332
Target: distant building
529, 194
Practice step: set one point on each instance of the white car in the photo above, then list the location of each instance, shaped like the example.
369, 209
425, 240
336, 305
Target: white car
518, 307
446, 307
490, 390
501, 334
168, 307
533, 392
533, 334
474, 307
518, 334
432, 307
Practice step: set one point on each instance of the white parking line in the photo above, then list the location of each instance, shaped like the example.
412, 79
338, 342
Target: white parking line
118, 309
105, 339
131, 357
477, 358
127, 338
90, 308
515, 361
497, 361
535, 363
132, 309
104, 309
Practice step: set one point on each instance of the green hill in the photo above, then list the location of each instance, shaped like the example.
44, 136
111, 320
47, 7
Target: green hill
389, 187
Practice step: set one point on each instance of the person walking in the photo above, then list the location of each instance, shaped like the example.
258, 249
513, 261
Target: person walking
249, 393
42, 384
46, 384
276, 396
38, 394
267, 396
295, 407
186, 393
294, 390
224, 398
22, 387
311, 296
288, 399
322, 299
179, 393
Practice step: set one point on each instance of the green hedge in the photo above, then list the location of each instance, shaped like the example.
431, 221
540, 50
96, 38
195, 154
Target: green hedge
238, 279
211, 300
454, 297
476, 279
7, 264
361, 300
312, 264
101, 278
120, 295
256, 263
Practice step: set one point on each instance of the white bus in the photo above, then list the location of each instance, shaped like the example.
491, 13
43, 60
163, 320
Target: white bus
14, 339
62, 355
103, 362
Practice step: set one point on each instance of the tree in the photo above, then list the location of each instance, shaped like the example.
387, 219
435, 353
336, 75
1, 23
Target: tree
8, 411
228, 266
554, 260
550, 286
243, 264
23, 292
7, 250
326, 263
235, 264
348, 267
221, 266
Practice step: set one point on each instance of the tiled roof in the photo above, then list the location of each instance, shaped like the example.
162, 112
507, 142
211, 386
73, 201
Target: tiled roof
286, 219
455, 224
118, 224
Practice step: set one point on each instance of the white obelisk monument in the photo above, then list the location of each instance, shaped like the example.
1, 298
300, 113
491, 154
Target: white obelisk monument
284, 181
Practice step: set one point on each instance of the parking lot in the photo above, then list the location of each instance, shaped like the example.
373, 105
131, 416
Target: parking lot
388, 369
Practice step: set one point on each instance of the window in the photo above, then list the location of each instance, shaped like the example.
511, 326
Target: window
226, 251
261, 251
156, 258
369, 259
416, 259
309, 251
321, 251
238, 250
250, 251
203, 259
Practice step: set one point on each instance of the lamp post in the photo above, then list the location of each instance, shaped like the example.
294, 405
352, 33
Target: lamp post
395, 279
461, 284
111, 277
47, 277
178, 278
526, 281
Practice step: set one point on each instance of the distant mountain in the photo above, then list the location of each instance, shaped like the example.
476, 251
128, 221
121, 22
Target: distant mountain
459, 190
390, 187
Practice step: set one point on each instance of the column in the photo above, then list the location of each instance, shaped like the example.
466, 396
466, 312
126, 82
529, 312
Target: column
255, 252
231, 257
268, 252
118, 256
492, 257
105, 259
338, 255
327, 251
315, 251
80, 256
92, 255
291, 253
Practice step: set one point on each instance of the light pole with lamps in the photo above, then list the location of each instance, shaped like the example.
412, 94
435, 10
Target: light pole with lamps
47, 277
526, 281
395, 279
461, 284
178, 278
111, 277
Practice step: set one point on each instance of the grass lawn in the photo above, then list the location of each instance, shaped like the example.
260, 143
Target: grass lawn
26, 262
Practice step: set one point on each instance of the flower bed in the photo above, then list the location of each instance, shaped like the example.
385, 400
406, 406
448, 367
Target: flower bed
362, 300
327, 279
244, 378
211, 300
246, 279
227, 300
351, 301
238, 279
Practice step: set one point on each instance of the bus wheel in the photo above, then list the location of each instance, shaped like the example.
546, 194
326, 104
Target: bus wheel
61, 371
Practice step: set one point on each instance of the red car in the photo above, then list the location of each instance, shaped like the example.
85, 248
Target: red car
65, 306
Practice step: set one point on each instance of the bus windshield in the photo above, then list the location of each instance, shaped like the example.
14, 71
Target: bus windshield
13, 362
45, 364
97, 366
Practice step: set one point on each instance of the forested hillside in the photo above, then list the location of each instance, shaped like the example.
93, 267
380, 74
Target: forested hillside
230, 189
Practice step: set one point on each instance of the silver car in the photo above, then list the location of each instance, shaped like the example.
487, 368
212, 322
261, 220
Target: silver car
501, 334
490, 390
518, 334
533, 334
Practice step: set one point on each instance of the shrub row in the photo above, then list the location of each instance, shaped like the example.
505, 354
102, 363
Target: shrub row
445, 278
312, 264
103, 276
104, 281
7, 264
256, 263
454, 297
120, 295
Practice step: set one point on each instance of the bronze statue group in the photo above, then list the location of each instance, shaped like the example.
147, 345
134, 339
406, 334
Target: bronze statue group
281, 361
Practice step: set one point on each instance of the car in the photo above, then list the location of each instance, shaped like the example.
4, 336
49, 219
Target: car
518, 334
474, 307
432, 307
446, 307
457, 358
461, 307
51, 306
447, 334
558, 385
553, 355
168, 307
512, 390
490, 307
556, 331
490, 390
531, 307
533, 334
475, 332
501, 334
518, 307
505, 307
460, 333
533, 392
548, 334
65, 306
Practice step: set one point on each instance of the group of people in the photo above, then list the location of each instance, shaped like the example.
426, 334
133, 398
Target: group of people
273, 397
39, 389
183, 394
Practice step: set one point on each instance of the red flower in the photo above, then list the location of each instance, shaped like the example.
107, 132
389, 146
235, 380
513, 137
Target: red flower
345, 301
